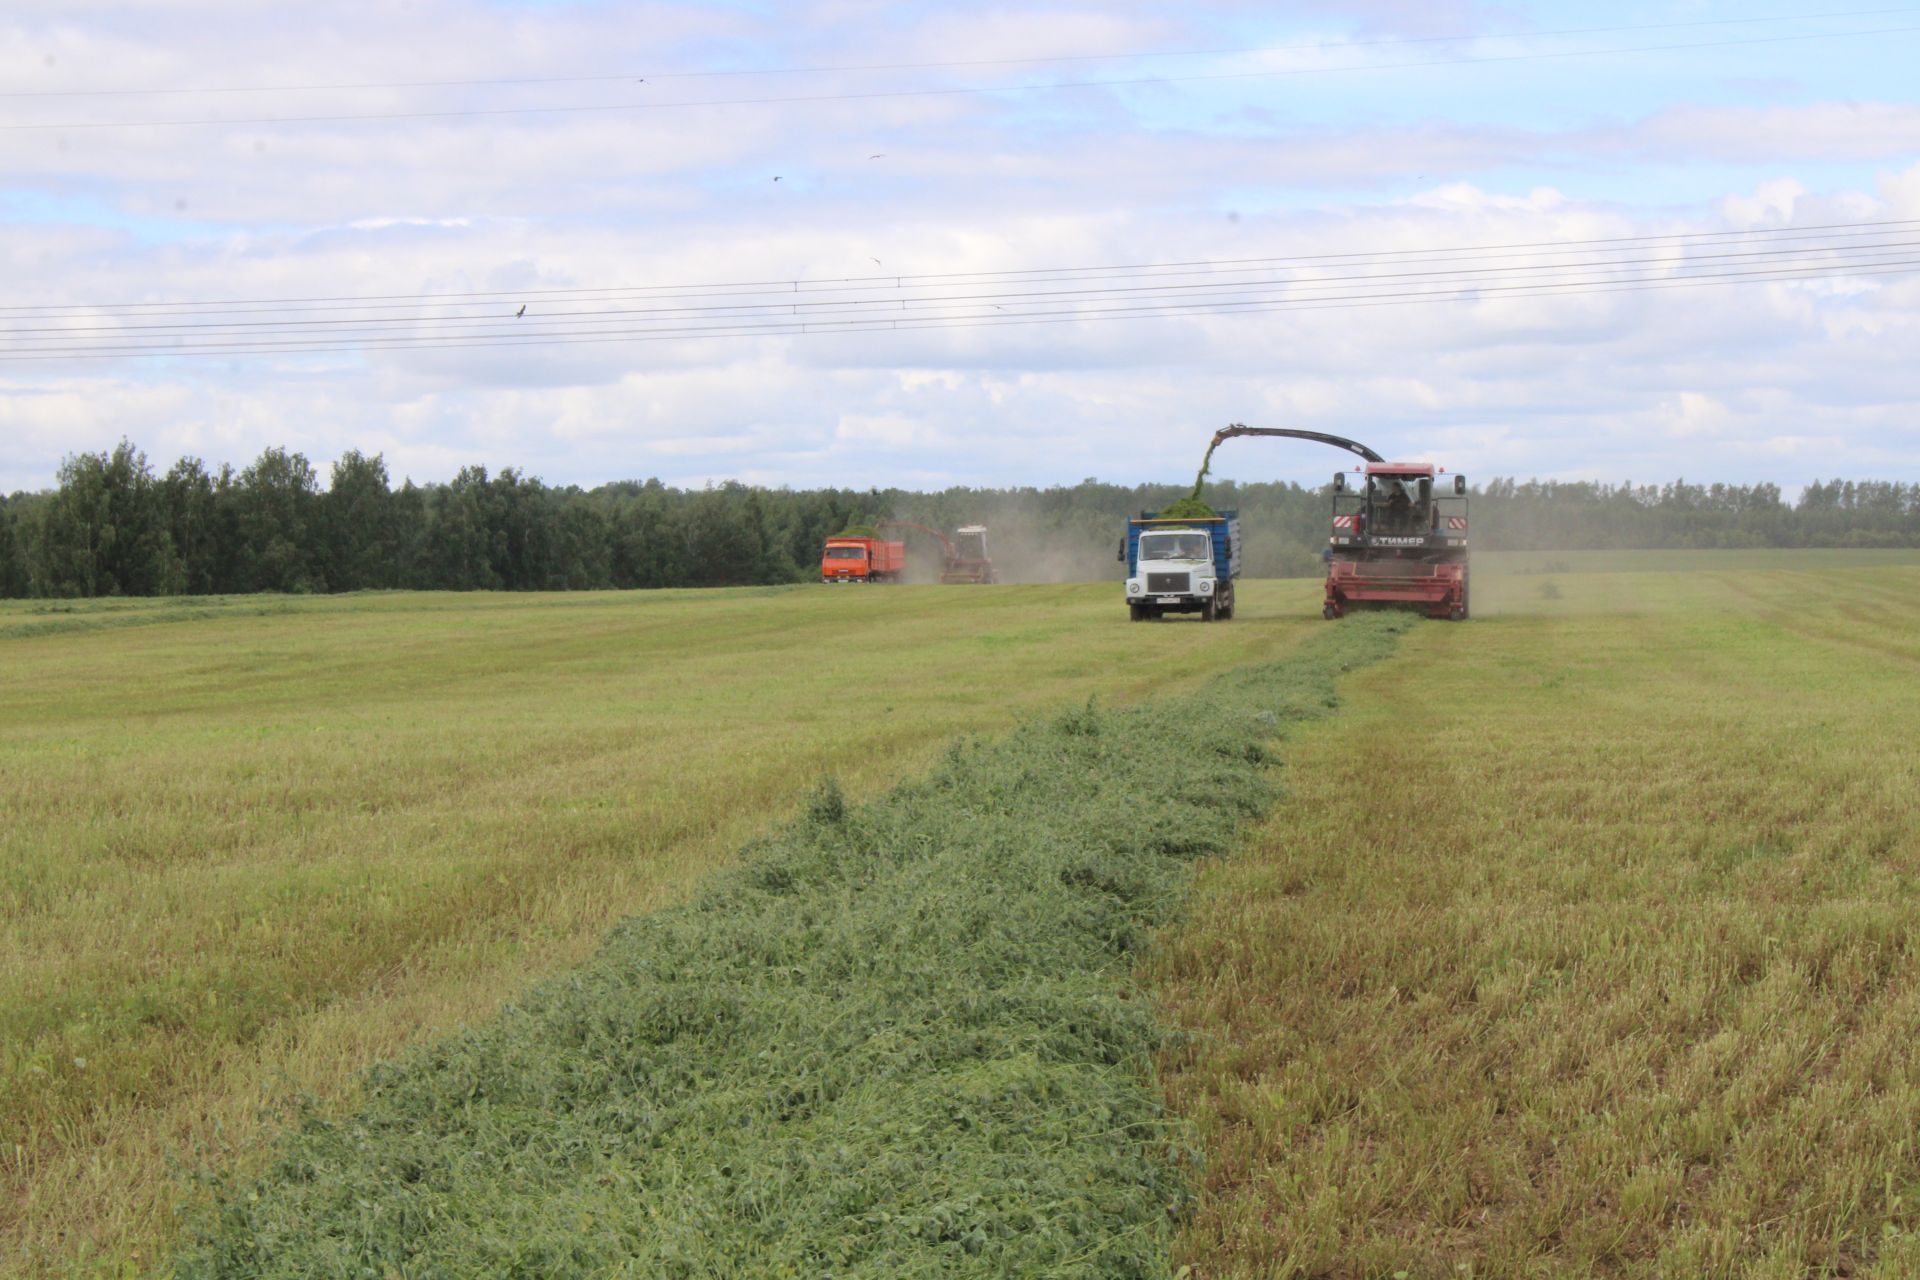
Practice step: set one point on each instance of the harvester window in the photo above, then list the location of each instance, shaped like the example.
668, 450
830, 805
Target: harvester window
1398, 507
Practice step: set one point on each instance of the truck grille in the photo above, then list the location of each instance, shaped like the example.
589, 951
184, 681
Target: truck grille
1159, 583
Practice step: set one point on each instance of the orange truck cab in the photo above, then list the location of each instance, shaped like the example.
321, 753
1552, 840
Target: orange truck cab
863, 560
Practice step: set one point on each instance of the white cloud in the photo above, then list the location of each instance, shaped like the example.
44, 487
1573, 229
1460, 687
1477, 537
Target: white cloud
1823, 131
1693, 414
1770, 205
1703, 382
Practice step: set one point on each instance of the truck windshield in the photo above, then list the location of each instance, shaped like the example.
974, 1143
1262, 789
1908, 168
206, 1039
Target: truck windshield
1175, 546
846, 553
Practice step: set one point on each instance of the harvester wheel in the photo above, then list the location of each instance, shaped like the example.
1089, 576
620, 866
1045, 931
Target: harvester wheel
1327, 612
1459, 613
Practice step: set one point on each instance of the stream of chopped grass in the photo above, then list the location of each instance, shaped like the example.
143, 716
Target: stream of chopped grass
894, 1039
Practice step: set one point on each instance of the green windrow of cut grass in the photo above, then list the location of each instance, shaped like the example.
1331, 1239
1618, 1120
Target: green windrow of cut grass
893, 1040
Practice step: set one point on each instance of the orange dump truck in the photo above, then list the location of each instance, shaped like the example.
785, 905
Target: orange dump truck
863, 560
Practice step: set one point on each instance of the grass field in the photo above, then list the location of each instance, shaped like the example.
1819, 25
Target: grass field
249, 846
892, 1041
1586, 944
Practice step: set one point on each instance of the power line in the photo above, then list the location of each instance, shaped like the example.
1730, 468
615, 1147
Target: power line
225, 347
1676, 240
819, 328
784, 306
1214, 283
842, 68
957, 91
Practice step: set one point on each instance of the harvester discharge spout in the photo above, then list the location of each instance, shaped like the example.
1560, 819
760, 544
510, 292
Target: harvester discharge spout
1319, 437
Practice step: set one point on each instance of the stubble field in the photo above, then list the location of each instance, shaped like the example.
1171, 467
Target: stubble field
1586, 943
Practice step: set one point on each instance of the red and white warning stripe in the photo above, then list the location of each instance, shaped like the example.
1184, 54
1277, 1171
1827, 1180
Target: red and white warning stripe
1456, 522
1343, 522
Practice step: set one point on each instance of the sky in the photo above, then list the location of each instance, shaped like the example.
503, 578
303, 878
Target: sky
682, 183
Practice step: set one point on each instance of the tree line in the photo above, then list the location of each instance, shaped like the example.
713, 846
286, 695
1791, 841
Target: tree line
115, 526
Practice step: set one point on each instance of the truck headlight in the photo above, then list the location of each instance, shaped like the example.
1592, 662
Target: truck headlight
1206, 586
1133, 588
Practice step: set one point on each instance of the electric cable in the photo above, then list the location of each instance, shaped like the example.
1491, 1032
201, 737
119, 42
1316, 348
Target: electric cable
1155, 309
1835, 258
1673, 240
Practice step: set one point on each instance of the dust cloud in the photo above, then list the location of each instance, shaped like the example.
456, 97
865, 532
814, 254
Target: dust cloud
1027, 543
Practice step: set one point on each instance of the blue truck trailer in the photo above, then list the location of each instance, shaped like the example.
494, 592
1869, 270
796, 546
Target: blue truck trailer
1183, 564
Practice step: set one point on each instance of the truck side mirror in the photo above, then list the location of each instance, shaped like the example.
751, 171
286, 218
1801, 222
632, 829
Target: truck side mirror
1339, 482
1121, 554
1460, 486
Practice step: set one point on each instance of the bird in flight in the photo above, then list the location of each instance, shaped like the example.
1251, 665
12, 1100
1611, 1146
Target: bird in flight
522, 311
776, 177
878, 155
873, 260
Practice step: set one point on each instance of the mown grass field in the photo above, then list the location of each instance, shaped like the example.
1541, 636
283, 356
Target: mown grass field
249, 846
1583, 943
892, 1041
1586, 943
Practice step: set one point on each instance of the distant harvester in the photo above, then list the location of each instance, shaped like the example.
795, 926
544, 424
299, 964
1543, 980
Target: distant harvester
967, 559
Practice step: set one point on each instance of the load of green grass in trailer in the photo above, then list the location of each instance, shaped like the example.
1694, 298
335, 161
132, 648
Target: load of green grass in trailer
894, 1040
1188, 508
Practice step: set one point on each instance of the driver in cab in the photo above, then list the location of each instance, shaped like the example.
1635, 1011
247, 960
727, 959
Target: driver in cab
1399, 509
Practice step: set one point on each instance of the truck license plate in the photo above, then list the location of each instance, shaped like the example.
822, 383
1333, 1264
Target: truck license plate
1168, 600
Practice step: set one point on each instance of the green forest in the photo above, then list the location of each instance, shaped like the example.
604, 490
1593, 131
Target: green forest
114, 526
